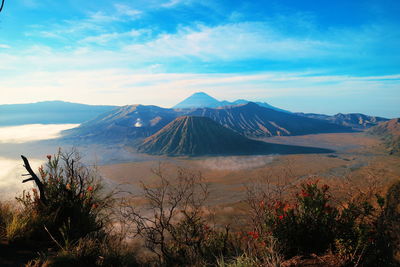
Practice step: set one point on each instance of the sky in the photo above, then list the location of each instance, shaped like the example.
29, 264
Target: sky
309, 56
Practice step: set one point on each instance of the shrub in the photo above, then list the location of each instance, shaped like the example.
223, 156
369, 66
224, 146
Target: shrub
368, 233
69, 203
307, 226
241, 261
6, 215
364, 231
89, 251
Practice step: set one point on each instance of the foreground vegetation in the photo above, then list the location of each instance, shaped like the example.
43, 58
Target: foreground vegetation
70, 219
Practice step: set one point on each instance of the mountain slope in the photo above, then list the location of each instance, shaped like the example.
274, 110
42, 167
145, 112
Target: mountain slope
389, 132
203, 100
123, 124
354, 120
198, 136
254, 121
198, 100
49, 112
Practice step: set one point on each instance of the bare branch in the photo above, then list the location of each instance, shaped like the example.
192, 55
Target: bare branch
34, 178
2, 5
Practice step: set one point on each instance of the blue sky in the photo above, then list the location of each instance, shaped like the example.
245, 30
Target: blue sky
311, 56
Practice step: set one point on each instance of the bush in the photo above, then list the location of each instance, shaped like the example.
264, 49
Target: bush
307, 226
362, 232
89, 251
370, 234
241, 261
68, 205
6, 216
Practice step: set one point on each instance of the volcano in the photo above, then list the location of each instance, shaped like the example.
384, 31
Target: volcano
200, 136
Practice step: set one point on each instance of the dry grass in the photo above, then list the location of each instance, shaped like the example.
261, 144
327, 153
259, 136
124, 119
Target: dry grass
357, 154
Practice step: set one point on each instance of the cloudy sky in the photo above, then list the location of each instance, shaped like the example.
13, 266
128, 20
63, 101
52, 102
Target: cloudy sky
312, 56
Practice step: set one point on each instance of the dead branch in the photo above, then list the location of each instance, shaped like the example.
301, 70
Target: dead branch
2, 5
34, 178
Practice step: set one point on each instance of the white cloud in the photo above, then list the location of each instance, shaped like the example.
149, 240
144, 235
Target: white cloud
172, 3
94, 22
281, 39
4, 46
115, 36
124, 10
35, 132
234, 41
129, 71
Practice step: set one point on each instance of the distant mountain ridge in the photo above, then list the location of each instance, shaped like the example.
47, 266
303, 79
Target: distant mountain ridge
49, 112
354, 120
203, 100
128, 123
200, 136
389, 132
123, 124
252, 120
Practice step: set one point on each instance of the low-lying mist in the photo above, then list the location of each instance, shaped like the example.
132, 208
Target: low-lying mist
11, 171
35, 141
24, 140
236, 162
32, 132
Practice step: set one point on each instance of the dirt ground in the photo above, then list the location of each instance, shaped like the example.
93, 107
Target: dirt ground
356, 155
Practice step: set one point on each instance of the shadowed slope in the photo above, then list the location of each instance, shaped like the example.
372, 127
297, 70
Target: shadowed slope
354, 120
123, 124
253, 120
389, 132
197, 136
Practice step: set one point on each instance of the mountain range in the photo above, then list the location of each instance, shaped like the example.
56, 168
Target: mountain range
159, 127
200, 136
49, 112
203, 100
129, 123
354, 120
252, 120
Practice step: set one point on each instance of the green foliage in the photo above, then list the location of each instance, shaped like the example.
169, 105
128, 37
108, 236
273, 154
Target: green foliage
195, 242
74, 207
6, 215
303, 227
241, 261
390, 221
361, 232
89, 251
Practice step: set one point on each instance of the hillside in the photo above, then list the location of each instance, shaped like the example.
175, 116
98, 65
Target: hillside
389, 132
354, 120
122, 124
198, 136
49, 112
253, 120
